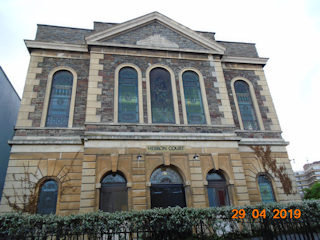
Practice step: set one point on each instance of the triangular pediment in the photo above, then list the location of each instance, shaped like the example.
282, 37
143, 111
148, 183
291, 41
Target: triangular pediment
155, 31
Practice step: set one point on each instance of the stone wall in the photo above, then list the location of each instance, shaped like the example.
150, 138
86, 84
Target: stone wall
64, 167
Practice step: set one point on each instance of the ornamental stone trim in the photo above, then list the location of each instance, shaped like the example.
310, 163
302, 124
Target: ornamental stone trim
93, 88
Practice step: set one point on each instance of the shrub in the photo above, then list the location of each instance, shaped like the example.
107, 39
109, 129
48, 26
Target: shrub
181, 222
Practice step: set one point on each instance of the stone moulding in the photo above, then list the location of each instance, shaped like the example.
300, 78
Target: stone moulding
161, 136
45, 140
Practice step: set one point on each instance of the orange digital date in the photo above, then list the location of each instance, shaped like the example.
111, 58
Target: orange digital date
277, 213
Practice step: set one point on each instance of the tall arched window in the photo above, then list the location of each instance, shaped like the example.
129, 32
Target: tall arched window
265, 188
128, 107
217, 189
113, 193
161, 96
48, 194
60, 96
248, 114
193, 98
167, 188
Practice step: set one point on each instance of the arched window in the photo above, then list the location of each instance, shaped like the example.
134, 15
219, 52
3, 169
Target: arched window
248, 115
193, 98
217, 189
60, 96
265, 188
128, 107
48, 194
161, 96
167, 188
113, 193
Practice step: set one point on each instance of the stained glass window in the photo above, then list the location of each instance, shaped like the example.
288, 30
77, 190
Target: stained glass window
59, 103
113, 193
48, 195
266, 190
165, 175
161, 96
248, 115
217, 189
193, 99
128, 108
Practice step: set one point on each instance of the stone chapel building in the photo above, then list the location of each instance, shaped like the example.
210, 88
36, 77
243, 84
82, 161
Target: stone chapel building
142, 114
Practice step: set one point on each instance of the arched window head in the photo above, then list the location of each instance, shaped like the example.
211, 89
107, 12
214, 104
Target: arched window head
165, 175
113, 193
161, 96
248, 114
215, 176
60, 96
48, 194
217, 189
265, 188
128, 107
113, 178
193, 98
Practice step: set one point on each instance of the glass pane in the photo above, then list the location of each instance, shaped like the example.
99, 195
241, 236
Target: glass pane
48, 198
214, 176
165, 176
212, 195
245, 104
161, 96
113, 178
193, 99
59, 103
222, 197
128, 108
266, 190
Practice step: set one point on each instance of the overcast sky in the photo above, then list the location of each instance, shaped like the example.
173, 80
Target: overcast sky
285, 31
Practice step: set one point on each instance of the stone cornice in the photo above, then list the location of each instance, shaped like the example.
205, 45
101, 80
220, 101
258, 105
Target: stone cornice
140, 21
43, 140
263, 141
260, 61
161, 136
110, 44
55, 46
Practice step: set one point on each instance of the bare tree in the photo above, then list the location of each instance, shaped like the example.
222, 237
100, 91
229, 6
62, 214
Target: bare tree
270, 164
26, 198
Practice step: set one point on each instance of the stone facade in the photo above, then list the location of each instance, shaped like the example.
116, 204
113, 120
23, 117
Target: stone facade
78, 156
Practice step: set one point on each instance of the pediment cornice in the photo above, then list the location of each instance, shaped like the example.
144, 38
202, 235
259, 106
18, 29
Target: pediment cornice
116, 30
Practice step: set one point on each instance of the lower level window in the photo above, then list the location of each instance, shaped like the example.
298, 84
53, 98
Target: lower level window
217, 189
167, 188
265, 188
113, 194
48, 195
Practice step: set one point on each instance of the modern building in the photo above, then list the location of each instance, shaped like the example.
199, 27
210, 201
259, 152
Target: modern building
310, 175
9, 107
142, 114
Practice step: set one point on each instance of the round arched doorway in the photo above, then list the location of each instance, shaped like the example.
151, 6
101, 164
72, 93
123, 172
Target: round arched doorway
167, 188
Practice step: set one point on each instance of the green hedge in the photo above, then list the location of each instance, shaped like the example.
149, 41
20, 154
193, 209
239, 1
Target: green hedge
215, 221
